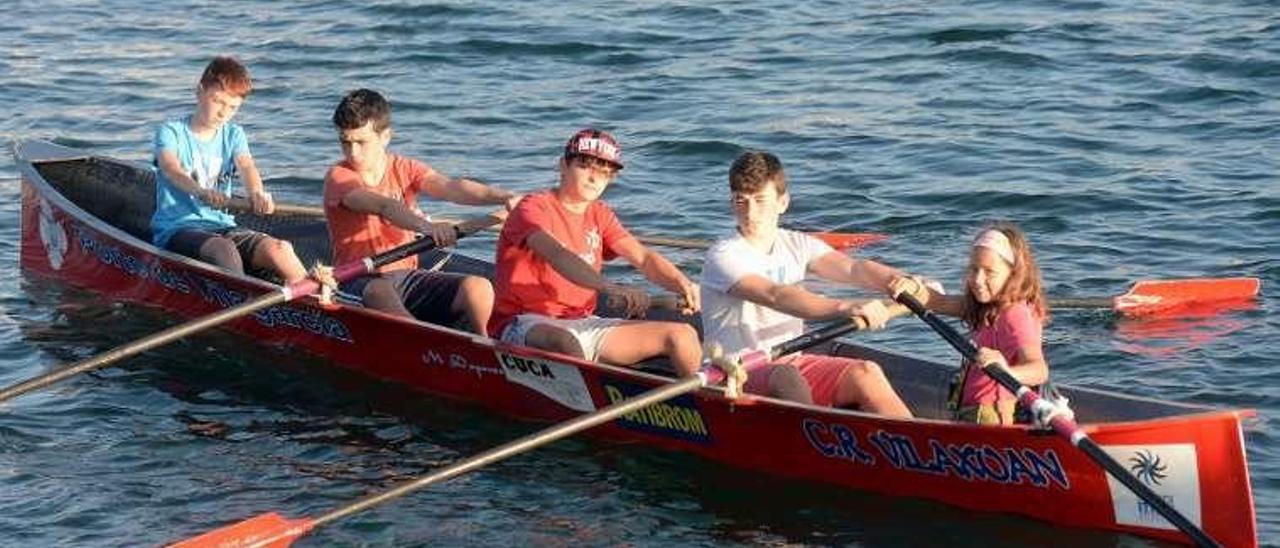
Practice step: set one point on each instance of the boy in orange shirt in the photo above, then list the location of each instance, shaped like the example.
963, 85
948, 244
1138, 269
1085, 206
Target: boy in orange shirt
370, 202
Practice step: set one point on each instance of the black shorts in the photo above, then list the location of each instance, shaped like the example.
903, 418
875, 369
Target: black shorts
188, 241
428, 295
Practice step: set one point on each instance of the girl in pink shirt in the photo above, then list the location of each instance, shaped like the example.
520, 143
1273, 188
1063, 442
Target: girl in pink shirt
1004, 305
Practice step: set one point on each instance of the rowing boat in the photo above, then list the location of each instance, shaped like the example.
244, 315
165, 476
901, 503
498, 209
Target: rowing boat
85, 222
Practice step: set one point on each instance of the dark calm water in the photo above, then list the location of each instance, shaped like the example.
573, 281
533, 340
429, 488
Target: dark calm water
1130, 139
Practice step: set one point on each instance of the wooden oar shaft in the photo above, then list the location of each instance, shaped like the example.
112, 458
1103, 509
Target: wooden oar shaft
816, 337
242, 204
1062, 425
679, 243
142, 345
834, 238
1103, 303
523, 444
756, 359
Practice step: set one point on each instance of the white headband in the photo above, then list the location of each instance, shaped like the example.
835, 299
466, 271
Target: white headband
997, 242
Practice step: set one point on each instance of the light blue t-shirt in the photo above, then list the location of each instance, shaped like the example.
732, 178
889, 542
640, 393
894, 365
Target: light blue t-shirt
212, 163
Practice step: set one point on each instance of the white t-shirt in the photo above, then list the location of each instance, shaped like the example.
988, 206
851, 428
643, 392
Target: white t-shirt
739, 325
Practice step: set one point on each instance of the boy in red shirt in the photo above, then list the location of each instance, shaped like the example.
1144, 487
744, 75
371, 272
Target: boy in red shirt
548, 270
370, 202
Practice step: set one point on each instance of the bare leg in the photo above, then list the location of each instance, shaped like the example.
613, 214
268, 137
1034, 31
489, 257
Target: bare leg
554, 339
786, 382
864, 384
380, 294
222, 252
474, 300
633, 342
278, 256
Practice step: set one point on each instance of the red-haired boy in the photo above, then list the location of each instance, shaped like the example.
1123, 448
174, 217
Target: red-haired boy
197, 158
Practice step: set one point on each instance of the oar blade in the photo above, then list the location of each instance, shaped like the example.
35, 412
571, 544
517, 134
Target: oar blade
849, 240
269, 530
1161, 296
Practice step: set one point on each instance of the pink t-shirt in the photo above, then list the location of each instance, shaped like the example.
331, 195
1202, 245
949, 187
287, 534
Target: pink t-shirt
1015, 327
526, 283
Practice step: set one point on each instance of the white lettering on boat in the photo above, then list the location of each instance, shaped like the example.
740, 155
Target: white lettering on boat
562, 383
1171, 470
458, 361
678, 417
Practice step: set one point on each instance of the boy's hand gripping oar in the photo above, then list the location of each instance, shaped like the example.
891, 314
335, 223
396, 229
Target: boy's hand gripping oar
272, 529
1148, 297
759, 358
287, 293
1061, 423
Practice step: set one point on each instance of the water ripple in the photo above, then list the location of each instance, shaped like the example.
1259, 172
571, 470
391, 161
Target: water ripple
1130, 140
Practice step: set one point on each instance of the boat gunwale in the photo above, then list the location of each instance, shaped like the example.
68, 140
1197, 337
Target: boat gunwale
58, 153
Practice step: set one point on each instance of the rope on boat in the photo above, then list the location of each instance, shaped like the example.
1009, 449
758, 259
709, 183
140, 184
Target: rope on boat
328, 283
735, 375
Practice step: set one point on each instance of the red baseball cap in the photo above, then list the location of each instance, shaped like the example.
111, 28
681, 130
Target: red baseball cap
594, 143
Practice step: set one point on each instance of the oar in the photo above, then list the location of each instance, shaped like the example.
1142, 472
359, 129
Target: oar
1149, 297
287, 293
273, 529
1064, 426
838, 240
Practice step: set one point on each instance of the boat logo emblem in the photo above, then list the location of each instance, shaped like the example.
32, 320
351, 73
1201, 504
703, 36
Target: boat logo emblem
1148, 467
52, 235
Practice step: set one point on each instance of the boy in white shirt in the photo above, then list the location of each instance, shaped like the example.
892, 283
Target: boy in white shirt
752, 298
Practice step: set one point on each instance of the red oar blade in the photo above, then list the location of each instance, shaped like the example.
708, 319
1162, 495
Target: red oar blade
847, 240
1160, 296
267, 530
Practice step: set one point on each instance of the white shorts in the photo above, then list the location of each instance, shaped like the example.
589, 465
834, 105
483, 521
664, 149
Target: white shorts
588, 331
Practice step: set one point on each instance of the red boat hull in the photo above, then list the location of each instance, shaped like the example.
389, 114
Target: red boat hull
1196, 460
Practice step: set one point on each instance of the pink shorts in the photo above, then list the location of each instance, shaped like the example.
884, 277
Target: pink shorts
821, 372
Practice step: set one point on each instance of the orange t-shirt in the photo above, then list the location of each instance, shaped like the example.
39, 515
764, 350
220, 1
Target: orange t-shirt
527, 283
355, 235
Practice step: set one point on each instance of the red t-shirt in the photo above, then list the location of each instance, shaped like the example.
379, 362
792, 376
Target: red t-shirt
527, 283
357, 235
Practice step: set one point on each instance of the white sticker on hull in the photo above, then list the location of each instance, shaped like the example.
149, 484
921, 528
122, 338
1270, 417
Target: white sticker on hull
1170, 470
52, 235
557, 381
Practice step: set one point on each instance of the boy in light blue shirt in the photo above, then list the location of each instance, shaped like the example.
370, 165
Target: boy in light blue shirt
198, 157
